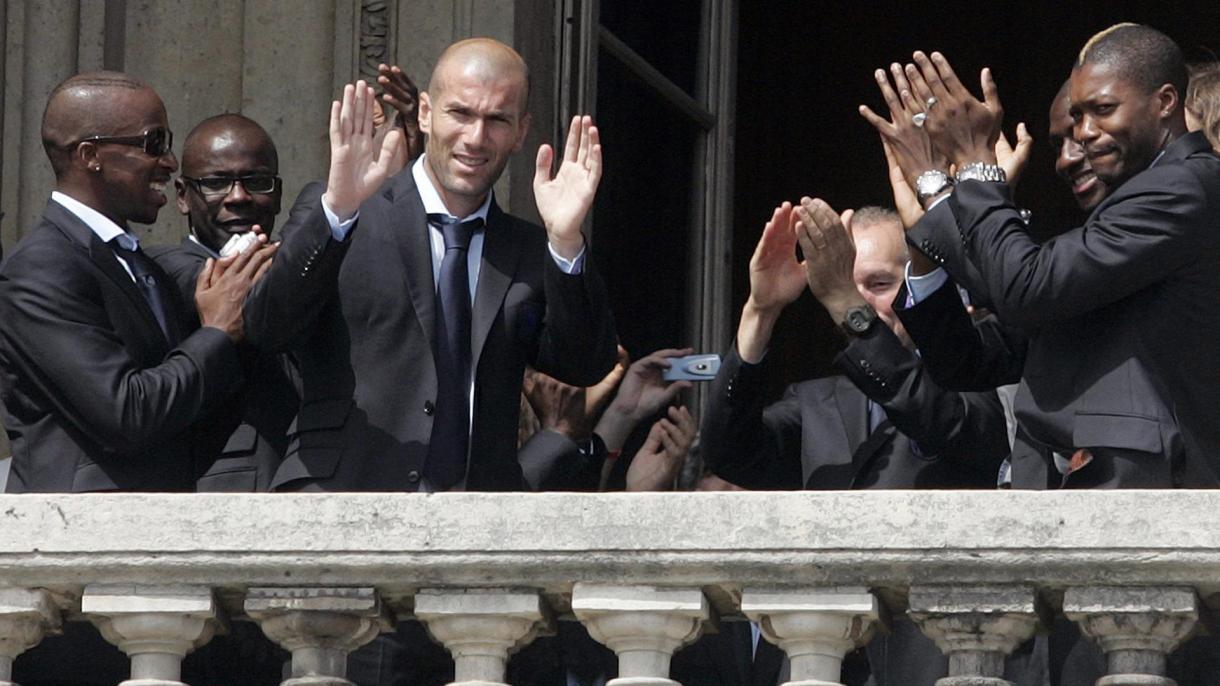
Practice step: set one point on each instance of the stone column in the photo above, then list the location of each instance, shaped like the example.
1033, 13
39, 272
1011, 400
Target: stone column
816, 627
319, 626
643, 625
976, 626
1136, 627
481, 628
156, 626
26, 616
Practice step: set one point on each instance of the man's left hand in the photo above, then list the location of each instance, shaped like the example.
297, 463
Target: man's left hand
565, 198
961, 127
401, 94
830, 256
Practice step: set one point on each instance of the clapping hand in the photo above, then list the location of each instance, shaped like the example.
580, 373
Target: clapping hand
830, 256
963, 128
1013, 159
904, 134
565, 198
402, 94
357, 168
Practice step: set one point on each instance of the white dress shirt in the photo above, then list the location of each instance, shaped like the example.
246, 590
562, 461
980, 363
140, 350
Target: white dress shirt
100, 225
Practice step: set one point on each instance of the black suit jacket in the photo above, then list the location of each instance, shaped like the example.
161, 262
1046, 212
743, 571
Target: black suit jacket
94, 397
1121, 314
242, 442
818, 436
359, 314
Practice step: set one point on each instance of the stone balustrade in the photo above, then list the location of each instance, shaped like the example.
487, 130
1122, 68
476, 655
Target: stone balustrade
979, 572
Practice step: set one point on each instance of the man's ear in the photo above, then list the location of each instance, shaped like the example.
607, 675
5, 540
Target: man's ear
523, 128
180, 190
1168, 100
425, 112
85, 156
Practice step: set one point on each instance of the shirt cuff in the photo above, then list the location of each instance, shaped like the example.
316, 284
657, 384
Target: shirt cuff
338, 230
920, 287
573, 266
937, 202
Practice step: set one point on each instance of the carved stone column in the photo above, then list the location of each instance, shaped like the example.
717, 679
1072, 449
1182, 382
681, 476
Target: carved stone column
1136, 627
816, 627
319, 626
976, 626
643, 625
26, 616
481, 628
156, 626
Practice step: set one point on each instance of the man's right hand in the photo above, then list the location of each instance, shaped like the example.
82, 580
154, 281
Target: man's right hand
776, 279
357, 168
220, 289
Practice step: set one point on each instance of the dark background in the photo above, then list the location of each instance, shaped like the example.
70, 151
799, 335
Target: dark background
805, 67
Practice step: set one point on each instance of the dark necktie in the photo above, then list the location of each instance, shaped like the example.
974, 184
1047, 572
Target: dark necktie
451, 424
144, 273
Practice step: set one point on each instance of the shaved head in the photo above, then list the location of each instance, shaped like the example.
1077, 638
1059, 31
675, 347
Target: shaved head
1145, 56
220, 132
82, 106
485, 59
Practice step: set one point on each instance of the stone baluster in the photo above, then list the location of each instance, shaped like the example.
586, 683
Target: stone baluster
1136, 627
816, 627
155, 626
319, 626
976, 626
481, 628
643, 625
26, 616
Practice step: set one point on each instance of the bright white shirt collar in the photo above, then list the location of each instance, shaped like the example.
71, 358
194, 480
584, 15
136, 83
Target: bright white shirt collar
191, 237
432, 199
97, 222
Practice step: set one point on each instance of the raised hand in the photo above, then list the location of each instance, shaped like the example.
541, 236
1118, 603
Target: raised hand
1013, 159
402, 95
657, 463
908, 142
830, 256
565, 198
643, 392
776, 277
357, 167
961, 127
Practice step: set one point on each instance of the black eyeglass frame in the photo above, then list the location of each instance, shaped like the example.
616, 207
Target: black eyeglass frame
244, 180
144, 141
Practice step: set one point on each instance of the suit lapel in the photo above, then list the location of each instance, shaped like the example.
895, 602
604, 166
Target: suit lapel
853, 410
104, 258
501, 253
410, 229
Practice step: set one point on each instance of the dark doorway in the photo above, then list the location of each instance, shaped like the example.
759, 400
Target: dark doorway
804, 67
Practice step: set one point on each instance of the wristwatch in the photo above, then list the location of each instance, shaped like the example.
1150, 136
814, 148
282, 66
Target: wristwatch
930, 184
979, 171
859, 320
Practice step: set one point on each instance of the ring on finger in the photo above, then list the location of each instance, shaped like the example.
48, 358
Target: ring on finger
919, 119
930, 102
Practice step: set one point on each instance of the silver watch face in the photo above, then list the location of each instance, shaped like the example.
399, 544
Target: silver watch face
930, 183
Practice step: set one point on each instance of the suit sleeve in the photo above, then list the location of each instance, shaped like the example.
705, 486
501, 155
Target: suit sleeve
302, 279
936, 236
551, 461
959, 353
578, 344
745, 443
1153, 226
967, 428
58, 336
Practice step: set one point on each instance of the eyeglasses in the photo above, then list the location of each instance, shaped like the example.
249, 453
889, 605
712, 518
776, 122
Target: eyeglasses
155, 142
262, 184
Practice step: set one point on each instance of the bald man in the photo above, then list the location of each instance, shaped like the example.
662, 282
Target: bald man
414, 304
229, 185
101, 371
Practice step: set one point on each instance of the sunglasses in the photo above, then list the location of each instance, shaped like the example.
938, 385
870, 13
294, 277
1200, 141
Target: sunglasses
155, 142
261, 184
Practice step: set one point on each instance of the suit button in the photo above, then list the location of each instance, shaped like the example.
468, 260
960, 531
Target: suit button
413, 476
429, 408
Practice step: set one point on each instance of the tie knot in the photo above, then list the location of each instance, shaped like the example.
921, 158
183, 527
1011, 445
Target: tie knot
457, 233
125, 242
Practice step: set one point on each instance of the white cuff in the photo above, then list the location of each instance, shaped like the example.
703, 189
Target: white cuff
937, 201
338, 230
573, 266
920, 287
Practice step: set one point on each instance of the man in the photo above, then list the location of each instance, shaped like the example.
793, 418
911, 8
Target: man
408, 385
1103, 383
882, 424
230, 186
101, 372
100, 379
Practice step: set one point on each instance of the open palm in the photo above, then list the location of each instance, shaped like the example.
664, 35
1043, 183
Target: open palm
357, 166
565, 198
776, 277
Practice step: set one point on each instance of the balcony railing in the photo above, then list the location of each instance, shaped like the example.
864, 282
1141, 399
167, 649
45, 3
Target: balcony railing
645, 573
